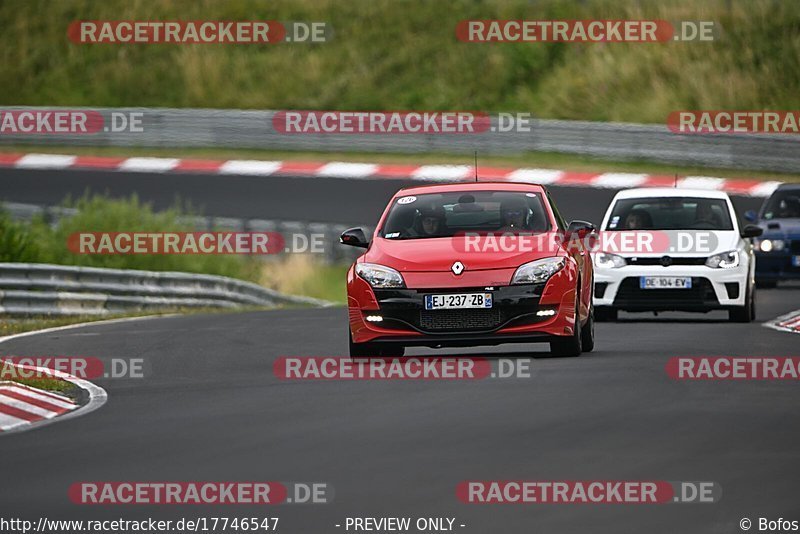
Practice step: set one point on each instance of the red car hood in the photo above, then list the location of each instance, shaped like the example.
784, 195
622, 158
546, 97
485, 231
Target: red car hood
439, 254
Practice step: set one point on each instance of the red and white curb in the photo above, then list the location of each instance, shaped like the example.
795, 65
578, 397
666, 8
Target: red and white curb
342, 169
786, 323
21, 405
97, 396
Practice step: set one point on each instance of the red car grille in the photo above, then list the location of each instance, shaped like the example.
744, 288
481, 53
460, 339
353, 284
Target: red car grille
458, 320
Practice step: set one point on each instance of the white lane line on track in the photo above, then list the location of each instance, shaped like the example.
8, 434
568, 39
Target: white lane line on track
789, 322
701, 182
45, 161
41, 413
441, 172
149, 164
619, 180
19, 410
764, 189
536, 176
343, 169
9, 422
44, 396
250, 167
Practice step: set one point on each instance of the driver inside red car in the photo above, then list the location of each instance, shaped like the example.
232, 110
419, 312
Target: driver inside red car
430, 221
515, 214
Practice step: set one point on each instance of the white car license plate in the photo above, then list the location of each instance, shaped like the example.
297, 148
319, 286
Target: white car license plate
458, 301
665, 282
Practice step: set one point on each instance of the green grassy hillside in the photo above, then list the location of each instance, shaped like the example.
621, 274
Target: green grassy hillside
403, 54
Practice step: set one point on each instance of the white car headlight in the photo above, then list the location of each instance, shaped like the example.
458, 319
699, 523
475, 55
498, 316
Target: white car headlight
379, 276
538, 271
604, 260
768, 245
724, 260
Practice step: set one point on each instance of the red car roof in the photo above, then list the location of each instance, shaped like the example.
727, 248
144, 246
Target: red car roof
471, 186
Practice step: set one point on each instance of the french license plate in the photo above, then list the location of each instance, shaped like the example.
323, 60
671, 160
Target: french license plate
795, 261
665, 282
458, 301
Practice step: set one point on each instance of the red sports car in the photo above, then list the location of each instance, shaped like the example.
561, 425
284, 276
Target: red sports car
468, 264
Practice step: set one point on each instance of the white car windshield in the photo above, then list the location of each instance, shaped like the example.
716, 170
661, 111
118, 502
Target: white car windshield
670, 213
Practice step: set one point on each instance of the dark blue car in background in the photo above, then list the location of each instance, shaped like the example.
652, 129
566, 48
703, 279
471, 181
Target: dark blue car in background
778, 248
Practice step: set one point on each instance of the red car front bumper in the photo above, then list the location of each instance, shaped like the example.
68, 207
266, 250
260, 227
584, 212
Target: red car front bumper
514, 316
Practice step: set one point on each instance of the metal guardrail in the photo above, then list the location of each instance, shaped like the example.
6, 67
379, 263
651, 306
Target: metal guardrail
172, 128
332, 251
42, 289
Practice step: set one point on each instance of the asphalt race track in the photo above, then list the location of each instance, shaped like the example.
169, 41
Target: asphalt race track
210, 408
333, 200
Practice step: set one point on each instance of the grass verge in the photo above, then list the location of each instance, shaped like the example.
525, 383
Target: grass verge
55, 385
10, 373
299, 274
19, 325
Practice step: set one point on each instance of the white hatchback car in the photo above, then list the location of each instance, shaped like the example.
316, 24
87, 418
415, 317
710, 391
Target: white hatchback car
697, 258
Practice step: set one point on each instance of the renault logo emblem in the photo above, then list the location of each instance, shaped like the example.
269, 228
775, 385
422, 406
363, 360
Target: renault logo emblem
457, 268
666, 261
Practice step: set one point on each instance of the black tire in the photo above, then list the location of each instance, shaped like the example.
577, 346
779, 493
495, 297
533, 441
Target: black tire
605, 314
746, 313
393, 351
373, 350
362, 350
587, 332
766, 284
569, 346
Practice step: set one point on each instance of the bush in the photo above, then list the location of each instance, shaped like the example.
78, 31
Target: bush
44, 243
16, 243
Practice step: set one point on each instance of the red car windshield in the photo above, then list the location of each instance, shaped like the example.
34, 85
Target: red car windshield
459, 212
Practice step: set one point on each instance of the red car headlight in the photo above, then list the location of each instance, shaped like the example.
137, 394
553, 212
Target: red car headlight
380, 276
539, 271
